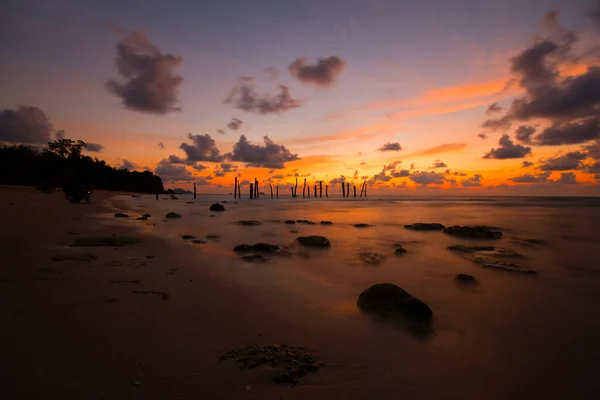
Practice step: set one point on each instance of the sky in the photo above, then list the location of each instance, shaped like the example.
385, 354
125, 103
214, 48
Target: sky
496, 97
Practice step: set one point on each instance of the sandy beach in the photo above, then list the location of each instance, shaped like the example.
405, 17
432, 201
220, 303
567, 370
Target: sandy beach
74, 328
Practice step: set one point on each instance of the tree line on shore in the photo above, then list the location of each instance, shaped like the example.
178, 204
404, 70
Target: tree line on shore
61, 164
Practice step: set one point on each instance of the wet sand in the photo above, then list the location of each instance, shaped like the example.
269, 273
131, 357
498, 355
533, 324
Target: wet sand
68, 332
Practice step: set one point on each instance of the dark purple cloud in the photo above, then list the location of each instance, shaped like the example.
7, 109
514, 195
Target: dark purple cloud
199, 167
390, 147
323, 73
565, 162
150, 83
570, 132
172, 173
93, 147
203, 148
482, 135
494, 108
173, 159
26, 124
129, 165
529, 178
271, 155
473, 181
526, 164
523, 133
508, 150
593, 150
570, 105
427, 178
161, 146
235, 124
438, 164
568, 178
221, 131
244, 97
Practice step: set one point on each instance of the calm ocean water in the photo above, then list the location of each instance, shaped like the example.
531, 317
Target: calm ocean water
521, 333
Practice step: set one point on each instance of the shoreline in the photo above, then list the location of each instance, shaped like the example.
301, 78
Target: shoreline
76, 329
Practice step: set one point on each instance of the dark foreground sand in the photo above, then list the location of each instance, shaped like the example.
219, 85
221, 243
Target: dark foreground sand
67, 332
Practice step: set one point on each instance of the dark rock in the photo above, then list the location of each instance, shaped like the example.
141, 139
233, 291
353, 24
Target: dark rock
189, 202
104, 241
305, 221
389, 300
258, 247
248, 223
371, 258
288, 363
361, 225
243, 248
255, 258
466, 278
422, 226
142, 218
326, 223
146, 215
485, 250
173, 215
528, 242
121, 215
399, 251
188, 237
265, 248
199, 241
173, 197
217, 207
314, 241
473, 232
505, 266
290, 221
213, 237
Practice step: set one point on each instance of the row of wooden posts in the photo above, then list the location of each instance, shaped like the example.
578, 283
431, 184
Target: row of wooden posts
318, 189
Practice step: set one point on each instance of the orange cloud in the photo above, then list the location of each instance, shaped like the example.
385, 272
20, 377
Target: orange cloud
372, 131
443, 148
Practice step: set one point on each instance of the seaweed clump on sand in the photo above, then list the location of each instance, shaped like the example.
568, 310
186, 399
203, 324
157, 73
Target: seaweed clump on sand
474, 232
258, 247
173, 215
371, 258
113, 241
388, 300
289, 363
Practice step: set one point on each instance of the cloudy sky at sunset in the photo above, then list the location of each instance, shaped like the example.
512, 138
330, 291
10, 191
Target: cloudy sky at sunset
429, 96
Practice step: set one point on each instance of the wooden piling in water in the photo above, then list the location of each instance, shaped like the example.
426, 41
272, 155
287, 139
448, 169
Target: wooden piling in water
354, 190
235, 188
255, 188
277, 191
251, 191
271, 187
320, 189
315, 190
343, 189
304, 187
326, 191
365, 188
348, 189
194, 190
296, 188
